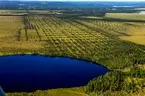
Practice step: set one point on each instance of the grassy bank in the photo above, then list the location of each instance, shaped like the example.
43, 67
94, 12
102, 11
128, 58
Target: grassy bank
53, 92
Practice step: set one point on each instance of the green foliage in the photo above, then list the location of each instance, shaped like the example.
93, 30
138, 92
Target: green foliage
130, 81
110, 81
136, 72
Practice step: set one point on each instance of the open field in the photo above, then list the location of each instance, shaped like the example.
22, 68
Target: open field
10, 27
126, 16
135, 39
90, 39
12, 12
25, 12
136, 35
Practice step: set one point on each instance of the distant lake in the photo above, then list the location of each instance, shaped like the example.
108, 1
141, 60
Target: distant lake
25, 73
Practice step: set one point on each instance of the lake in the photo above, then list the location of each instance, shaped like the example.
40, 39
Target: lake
26, 73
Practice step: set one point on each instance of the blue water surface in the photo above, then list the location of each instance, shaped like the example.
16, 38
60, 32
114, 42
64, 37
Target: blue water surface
29, 73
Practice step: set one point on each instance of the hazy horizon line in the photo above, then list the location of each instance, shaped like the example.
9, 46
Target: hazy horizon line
73, 1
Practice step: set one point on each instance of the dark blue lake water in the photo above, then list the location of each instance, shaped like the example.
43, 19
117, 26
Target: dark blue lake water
29, 73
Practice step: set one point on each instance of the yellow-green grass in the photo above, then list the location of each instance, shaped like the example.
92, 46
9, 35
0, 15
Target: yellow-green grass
41, 12
142, 66
91, 17
12, 12
10, 27
135, 39
136, 35
127, 16
52, 92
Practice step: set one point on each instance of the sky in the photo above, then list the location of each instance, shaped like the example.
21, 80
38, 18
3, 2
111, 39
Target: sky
81, 0
91, 0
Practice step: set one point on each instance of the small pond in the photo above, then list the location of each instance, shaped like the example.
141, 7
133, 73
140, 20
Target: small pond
25, 73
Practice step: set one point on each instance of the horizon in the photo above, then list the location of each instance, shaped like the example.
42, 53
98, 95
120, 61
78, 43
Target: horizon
81, 0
